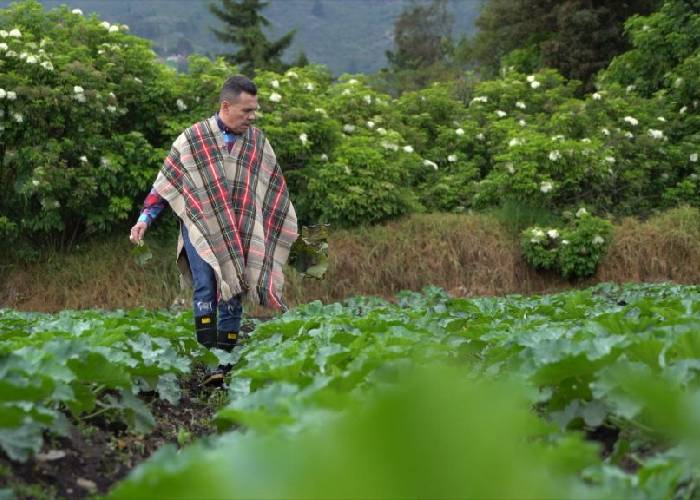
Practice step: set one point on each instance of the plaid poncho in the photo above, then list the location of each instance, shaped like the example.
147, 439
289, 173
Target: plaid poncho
236, 209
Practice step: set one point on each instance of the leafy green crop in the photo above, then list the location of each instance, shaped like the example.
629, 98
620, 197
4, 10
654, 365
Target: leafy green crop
589, 393
77, 365
611, 359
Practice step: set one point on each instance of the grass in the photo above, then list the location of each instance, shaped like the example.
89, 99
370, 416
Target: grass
469, 255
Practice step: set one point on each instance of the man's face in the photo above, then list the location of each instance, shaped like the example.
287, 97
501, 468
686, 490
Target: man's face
239, 114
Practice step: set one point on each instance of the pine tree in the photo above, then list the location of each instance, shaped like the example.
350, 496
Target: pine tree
423, 48
244, 25
422, 35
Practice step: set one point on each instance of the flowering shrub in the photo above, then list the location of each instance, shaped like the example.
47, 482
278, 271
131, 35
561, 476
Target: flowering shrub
83, 107
574, 250
87, 113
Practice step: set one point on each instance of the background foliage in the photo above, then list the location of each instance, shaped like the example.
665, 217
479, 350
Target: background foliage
321, 24
352, 154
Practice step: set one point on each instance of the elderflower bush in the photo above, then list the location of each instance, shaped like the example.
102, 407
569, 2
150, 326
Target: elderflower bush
573, 250
344, 162
295, 115
546, 170
82, 113
362, 184
351, 155
452, 146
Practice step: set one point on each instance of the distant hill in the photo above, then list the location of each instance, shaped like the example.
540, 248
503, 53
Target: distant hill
346, 35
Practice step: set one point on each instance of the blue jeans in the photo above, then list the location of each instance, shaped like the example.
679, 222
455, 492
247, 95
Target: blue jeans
204, 298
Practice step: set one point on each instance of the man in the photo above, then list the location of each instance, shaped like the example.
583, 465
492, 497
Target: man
237, 223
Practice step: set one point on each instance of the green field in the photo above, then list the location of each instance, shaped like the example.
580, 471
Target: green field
589, 393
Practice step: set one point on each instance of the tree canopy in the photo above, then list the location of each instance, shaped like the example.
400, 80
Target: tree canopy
576, 37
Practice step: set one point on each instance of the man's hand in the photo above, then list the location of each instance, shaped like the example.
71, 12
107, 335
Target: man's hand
137, 232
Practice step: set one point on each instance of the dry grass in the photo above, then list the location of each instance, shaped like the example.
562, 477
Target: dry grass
665, 248
468, 255
103, 274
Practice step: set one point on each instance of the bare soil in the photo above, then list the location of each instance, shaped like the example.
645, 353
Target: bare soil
98, 453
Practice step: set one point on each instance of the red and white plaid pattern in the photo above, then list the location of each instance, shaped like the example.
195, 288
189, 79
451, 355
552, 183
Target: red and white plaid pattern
235, 206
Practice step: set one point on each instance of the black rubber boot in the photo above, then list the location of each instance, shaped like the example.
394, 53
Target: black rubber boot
205, 326
227, 340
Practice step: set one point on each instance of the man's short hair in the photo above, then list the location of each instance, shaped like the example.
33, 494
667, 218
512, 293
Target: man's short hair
235, 86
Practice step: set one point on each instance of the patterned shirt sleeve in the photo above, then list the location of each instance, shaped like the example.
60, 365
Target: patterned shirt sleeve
153, 205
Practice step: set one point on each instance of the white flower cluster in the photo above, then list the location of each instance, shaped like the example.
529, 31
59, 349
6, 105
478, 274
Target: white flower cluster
429, 163
459, 131
390, 145
546, 186
581, 212
555, 155
533, 82
631, 120
112, 28
79, 93
348, 128
452, 158
656, 134
597, 96
10, 95
598, 240
408, 149
181, 105
538, 235
501, 113
481, 98
275, 97
304, 139
521, 105
694, 157
514, 142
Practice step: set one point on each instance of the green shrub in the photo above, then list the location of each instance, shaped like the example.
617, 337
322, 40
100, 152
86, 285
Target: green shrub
573, 251
84, 106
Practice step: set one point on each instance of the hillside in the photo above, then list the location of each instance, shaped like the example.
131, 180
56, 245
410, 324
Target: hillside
346, 35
